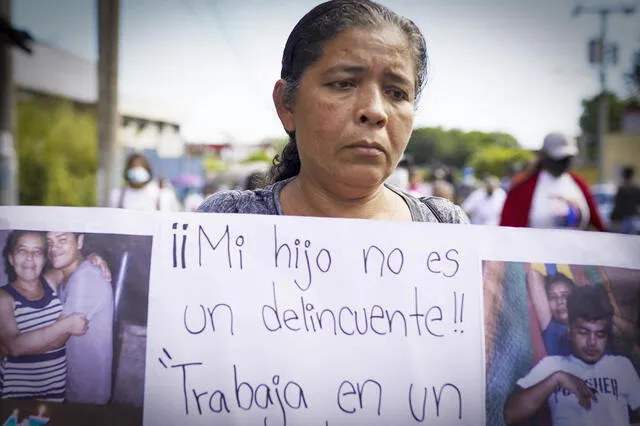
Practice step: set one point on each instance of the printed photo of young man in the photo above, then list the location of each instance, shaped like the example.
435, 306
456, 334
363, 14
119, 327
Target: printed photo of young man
586, 387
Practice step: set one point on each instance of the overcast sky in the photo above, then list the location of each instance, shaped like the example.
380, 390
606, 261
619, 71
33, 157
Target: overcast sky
518, 66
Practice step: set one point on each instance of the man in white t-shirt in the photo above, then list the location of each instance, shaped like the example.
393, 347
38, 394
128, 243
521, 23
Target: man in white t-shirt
552, 196
483, 205
586, 388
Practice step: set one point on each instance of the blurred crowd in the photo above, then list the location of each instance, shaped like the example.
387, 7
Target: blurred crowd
142, 189
545, 193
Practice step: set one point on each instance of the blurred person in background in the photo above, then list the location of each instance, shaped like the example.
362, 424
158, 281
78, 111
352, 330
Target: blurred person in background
141, 191
506, 180
441, 186
400, 175
484, 205
552, 196
520, 173
625, 216
466, 185
417, 187
193, 199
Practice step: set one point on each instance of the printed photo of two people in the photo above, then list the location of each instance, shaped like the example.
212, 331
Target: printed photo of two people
562, 344
73, 318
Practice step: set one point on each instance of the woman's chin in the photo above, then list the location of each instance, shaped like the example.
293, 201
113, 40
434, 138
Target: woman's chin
364, 177
28, 277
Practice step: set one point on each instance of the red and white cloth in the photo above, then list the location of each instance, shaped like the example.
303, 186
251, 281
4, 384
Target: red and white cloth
544, 201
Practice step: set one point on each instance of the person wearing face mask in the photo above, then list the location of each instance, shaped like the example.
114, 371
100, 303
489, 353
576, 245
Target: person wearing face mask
552, 196
141, 191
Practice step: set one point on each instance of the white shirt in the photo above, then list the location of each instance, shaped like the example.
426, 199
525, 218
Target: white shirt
423, 190
551, 200
192, 202
145, 198
613, 377
485, 209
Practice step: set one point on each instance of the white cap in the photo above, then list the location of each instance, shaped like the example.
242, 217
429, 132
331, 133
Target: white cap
558, 146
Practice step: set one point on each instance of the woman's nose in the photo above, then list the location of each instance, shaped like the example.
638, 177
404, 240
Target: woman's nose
371, 107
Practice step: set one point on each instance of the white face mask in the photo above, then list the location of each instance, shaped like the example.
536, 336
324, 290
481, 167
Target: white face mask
138, 175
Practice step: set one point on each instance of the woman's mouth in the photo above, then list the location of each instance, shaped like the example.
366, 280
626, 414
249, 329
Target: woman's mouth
367, 149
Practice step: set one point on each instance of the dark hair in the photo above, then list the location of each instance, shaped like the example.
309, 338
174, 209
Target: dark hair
10, 246
628, 172
254, 180
549, 280
591, 303
137, 156
304, 46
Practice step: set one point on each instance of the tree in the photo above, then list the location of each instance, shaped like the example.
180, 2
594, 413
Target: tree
496, 160
259, 156
433, 145
57, 153
589, 117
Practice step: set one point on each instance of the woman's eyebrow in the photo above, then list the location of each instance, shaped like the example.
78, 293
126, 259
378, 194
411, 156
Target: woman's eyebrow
346, 68
398, 78
359, 69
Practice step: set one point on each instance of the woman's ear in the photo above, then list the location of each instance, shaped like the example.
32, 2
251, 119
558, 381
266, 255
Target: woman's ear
284, 106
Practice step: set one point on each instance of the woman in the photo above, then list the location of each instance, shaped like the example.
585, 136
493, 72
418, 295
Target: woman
141, 191
549, 296
32, 330
352, 71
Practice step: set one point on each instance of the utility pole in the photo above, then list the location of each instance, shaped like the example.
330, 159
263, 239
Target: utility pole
108, 119
604, 55
9, 37
8, 156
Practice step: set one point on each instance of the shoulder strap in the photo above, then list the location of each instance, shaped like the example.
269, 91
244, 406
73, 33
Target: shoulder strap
158, 200
428, 201
121, 198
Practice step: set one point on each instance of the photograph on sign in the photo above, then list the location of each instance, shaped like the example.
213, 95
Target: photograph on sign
561, 344
73, 319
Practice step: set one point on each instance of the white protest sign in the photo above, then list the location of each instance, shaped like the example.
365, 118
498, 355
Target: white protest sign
273, 320
267, 320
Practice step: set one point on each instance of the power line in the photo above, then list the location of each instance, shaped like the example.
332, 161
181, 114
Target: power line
604, 54
249, 81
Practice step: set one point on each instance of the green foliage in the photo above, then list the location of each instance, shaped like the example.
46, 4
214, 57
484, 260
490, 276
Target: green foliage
433, 145
213, 164
258, 157
497, 159
277, 144
57, 154
589, 117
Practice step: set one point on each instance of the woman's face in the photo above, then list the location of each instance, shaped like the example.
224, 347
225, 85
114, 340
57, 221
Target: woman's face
557, 295
28, 257
137, 173
353, 111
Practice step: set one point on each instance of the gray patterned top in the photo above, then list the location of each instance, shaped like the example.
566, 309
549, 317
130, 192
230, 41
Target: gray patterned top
267, 201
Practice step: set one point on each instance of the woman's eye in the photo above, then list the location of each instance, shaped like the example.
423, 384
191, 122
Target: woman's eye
343, 84
398, 94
